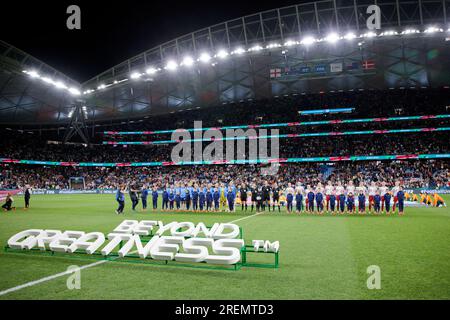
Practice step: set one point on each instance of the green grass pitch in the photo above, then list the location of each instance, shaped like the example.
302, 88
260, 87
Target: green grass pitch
321, 257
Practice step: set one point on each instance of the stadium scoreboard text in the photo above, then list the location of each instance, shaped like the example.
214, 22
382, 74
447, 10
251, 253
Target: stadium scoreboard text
220, 244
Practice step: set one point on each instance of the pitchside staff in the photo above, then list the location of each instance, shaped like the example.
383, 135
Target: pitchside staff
27, 196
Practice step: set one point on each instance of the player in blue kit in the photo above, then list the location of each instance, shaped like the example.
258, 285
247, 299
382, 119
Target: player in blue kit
182, 197
310, 197
155, 198
298, 200
400, 200
361, 203
387, 203
201, 198
319, 200
171, 198
289, 197
195, 191
144, 195
342, 203
165, 199
178, 198
231, 196
377, 203
350, 203
332, 203
216, 198
209, 199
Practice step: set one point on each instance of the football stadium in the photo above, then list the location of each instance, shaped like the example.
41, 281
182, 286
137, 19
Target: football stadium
300, 152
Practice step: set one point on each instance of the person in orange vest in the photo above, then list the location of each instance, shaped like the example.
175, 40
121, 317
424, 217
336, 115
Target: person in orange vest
438, 201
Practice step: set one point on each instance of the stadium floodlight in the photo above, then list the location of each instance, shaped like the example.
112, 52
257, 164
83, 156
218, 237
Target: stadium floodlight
308, 41
273, 45
222, 54
239, 50
350, 36
255, 48
151, 71
188, 62
432, 30
33, 74
60, 85
410, 31
332, 37
102, 86
74, 91
204, 57
389, 33
171, 65
369, 34
48, 80
135, 75
290, 43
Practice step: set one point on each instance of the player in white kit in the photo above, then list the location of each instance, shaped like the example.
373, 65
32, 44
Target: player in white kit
383, 191
394, 191
372, 192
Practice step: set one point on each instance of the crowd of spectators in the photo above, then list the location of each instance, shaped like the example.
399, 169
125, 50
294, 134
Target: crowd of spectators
381, 144
411, 173
34, 145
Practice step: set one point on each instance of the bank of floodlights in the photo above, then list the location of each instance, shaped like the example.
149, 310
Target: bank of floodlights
239, 51
56, 83
433, 30
208, 58
350, 36
222, 54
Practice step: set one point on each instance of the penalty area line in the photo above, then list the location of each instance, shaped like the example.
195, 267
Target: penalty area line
61, 274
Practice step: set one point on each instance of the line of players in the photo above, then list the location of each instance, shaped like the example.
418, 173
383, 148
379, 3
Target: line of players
320, 199
346, 199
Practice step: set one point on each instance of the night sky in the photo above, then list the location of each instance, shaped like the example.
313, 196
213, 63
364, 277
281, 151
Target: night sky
111, 31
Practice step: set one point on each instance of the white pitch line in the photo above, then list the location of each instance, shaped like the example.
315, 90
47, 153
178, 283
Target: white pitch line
61, 274
32, 283
247, 217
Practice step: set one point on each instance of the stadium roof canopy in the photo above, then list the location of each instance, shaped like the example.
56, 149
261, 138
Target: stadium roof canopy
227, 62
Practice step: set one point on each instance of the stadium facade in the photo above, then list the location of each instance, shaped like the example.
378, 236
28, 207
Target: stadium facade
315, 47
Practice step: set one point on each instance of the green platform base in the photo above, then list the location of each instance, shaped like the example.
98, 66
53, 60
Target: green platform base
133, 258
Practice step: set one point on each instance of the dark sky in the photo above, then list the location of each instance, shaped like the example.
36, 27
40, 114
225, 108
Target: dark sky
111, 31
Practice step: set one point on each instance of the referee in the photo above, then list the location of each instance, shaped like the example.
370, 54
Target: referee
243, 196
266, 189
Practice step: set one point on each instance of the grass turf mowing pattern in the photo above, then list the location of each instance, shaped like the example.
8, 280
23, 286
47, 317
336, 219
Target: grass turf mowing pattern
321, 257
